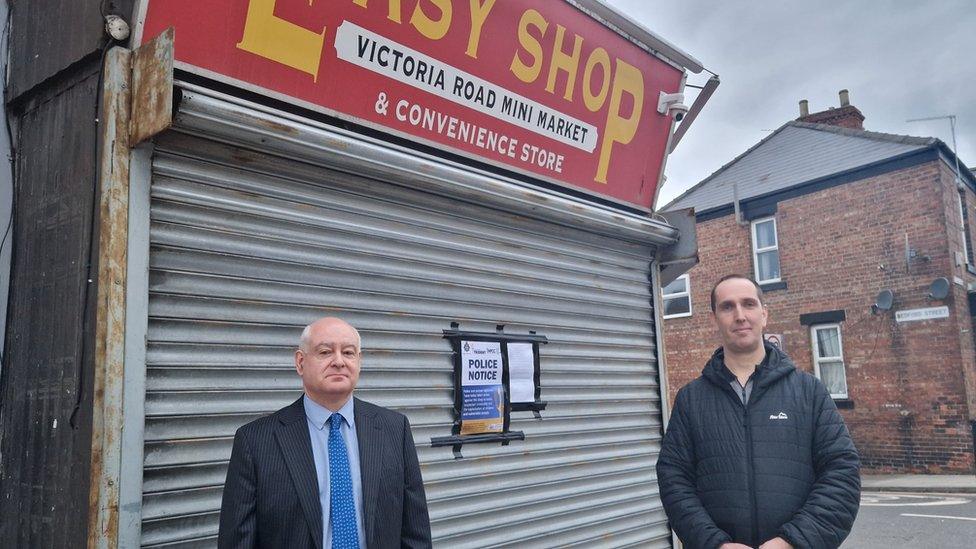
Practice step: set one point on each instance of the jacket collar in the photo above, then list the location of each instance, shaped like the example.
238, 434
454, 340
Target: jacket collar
775, 366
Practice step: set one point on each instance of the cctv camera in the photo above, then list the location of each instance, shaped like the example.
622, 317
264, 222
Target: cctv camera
673, 104
678, 111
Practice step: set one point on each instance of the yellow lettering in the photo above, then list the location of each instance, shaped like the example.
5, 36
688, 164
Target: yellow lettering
435, 29
627, 79
566, 62
479, 13
394, 9
529, 73
278, 40
601, 58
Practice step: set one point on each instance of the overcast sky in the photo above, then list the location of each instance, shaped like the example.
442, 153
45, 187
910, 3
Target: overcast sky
900, 59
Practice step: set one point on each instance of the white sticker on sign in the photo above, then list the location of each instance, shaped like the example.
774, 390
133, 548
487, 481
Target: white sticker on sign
928, 313
521, 372
358, 46
481, 363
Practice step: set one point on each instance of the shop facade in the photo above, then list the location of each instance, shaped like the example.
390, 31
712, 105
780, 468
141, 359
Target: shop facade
231, 216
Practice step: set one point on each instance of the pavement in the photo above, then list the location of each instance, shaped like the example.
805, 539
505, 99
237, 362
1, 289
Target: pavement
941, 484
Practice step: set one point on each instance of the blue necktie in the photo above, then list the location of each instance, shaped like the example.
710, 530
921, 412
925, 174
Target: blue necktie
342, 508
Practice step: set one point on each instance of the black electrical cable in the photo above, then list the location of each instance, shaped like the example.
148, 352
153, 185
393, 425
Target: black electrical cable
877, 335
10, 220
93, 226
90, 278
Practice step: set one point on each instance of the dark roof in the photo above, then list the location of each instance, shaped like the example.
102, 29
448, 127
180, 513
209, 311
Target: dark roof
796, 153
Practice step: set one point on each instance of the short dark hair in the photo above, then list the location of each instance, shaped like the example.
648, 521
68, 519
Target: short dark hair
759, 291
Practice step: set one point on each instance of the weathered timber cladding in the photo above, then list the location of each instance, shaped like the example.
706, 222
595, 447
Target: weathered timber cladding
44, 472
48, 37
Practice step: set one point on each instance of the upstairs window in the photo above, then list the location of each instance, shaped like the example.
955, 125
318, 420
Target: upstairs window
828, 358
765, 250
677, 298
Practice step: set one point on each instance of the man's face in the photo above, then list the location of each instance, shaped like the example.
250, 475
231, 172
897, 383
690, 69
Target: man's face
329, 361
739, 316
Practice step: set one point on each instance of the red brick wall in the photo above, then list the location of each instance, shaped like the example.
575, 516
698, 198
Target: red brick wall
845, 117
838, 248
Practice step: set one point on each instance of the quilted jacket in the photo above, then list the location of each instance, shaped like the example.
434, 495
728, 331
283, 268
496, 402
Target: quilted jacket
781, 465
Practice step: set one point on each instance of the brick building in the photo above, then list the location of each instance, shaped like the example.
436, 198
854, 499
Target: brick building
849, 232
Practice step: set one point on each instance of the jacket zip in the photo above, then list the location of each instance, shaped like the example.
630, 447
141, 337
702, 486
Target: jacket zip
752, 475
754, 515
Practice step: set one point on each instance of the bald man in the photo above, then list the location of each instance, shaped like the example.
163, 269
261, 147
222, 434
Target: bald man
329, 471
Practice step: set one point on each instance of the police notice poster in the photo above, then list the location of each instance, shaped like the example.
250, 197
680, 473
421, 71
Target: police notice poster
483, 404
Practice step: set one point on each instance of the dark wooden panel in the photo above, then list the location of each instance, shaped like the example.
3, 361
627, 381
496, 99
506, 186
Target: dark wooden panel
51, 36
44, 473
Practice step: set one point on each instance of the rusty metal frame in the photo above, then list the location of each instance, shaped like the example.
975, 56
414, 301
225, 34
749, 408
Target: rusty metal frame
135, 104
113, 214
152, 88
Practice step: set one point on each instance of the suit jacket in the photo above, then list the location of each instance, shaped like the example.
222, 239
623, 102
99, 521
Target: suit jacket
271, 494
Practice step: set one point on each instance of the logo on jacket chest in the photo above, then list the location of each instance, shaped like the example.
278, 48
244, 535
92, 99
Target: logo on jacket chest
779, 416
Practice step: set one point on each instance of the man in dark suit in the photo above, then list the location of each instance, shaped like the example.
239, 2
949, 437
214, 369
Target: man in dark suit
329, 471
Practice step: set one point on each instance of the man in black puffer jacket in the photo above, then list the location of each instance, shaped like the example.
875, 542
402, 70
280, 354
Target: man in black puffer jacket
756, 454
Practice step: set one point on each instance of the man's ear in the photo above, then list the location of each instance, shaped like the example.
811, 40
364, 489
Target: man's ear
299, 361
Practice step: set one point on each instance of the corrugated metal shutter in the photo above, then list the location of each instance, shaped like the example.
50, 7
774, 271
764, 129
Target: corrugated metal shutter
247, 247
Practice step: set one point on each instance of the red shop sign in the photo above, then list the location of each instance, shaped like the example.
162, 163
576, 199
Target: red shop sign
538, 87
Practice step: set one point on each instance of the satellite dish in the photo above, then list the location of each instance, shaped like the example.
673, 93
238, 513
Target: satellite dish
884, 300
939, 288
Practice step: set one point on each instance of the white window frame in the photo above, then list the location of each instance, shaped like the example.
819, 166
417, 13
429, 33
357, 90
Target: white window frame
687, 293
756, 250
818, 359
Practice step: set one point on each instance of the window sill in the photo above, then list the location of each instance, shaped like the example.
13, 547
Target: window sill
772, 286
682, 315
844, 403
